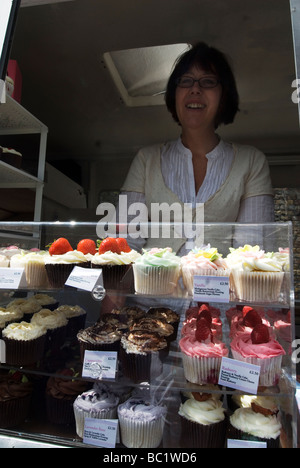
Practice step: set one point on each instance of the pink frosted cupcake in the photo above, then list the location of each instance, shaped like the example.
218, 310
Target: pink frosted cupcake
202, 262
190, 324
245, 322
261, 349
202, 354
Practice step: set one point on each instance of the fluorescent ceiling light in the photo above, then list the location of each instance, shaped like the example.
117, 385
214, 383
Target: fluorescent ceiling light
141, 74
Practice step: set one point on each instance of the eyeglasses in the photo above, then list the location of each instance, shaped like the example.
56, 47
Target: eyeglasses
204, 82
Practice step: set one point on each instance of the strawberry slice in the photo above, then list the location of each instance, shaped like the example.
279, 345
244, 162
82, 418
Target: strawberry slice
60, 247
203, 330
109, 244
260, 334
123, 245
205, 313
252, 318
87, 246
246, 309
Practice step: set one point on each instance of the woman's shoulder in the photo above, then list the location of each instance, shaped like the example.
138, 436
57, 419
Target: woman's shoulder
247, 151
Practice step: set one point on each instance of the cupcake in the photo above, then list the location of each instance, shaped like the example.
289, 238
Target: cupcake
189, 325
261, 349
203, 423
142, 354
15, 396
27, 307
24, 343
203, 262
76, 317
115, 258
248, 424
157, 271
99, 337
141, 423
34, 267
55, 325
4, 261
246, 321
169, 315
13, 314
98, 404
202, 354
61, 391
267, 405
132, 313
46, 301
61, 260
155, 325
256, 275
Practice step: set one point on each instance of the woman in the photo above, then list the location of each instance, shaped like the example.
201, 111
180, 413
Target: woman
232, 181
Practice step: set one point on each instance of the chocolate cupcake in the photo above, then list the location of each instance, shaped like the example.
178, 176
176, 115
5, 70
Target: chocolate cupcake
15, 396
169, 315
142, 354
99, 337
61, 392
155, 325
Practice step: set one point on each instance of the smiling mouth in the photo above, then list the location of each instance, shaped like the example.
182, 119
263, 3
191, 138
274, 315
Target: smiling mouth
195, 105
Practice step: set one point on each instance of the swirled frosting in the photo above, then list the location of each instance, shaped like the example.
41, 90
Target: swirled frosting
205, 412
204, 259
25, 258
242, 344
63, 388
49, 319
256, 424
96, 401
142, 342
14, 385
71, 310
153, 325
10, 315
191, 347
23, 331
141, 410
74, 256
27, 306
252, 258
100, 333
112, 258
157, 257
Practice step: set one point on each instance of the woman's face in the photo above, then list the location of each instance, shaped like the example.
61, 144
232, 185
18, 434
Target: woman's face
197, 107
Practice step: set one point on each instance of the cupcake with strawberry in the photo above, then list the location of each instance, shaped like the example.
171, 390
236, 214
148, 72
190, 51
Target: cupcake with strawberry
115, 258
260, 348
246, 321
61, 260
202, 353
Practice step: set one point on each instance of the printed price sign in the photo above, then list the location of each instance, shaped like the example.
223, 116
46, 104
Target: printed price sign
211, 288
100, 432
100, 364
84, 278
12, 278
239, 375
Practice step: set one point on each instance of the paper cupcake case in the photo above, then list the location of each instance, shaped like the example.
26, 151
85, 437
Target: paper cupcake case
257, 286
14, 412
201, 370
81, 415
270, 369
141, 367
117, 276
189, 273
195, 435
155, 280
21, 352
141, 434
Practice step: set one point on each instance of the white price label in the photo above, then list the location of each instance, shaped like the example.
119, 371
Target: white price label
12, 278
85, 278
100, 364
100, 432
239, 375
211, 288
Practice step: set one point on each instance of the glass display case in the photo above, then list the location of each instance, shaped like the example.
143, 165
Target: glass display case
174, 340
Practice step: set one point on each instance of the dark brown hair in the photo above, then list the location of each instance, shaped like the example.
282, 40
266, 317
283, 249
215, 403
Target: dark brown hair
212, 60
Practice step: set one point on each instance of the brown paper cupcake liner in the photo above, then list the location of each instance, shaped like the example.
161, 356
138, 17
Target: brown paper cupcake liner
60, 411
117, 277
195, 435
14, 412
141, 368
21, 352
59, 273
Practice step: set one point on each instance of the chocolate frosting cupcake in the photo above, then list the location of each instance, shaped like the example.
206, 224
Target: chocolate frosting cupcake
99, 337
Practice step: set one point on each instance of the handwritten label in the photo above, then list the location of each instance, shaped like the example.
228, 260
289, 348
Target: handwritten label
100, 364
12, 278
211, 288
100, 432
239, 375
234, 443
84, 278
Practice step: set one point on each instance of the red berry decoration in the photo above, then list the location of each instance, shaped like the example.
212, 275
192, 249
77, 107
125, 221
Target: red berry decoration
246, 309
60, 247
87, 246
109, 244
205, 313
123, 245
203, 330
260, 334
252, 318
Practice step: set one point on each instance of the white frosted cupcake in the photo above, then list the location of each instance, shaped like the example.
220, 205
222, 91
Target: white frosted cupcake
56, 325
141, 423
256, 275
157, 271
76, 317
4, 261
203, 423
97, 403
34, 267
24, 343
27, 306
205, 261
